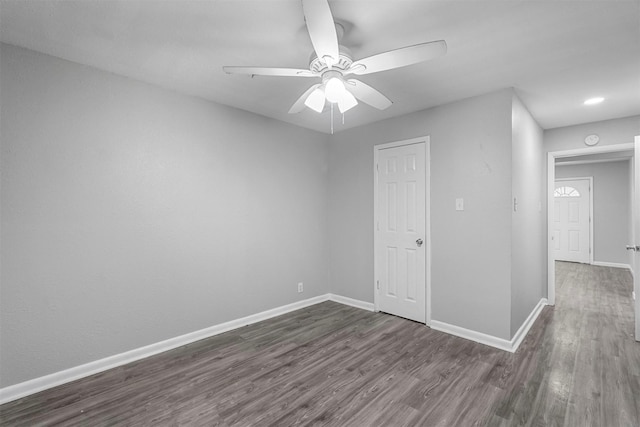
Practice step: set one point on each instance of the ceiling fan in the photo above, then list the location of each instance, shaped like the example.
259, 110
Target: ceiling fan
333, 64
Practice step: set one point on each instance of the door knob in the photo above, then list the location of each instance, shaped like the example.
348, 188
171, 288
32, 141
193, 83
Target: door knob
633, 248
419, 242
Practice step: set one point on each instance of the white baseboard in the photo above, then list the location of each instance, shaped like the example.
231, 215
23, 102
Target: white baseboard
352, 302
36, 385
522, 332
16, 391
469, 334
611, 264
490, 340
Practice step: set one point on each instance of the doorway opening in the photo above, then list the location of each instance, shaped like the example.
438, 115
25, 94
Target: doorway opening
612, 153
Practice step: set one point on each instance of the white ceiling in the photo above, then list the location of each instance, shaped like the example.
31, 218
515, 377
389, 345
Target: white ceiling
555, 54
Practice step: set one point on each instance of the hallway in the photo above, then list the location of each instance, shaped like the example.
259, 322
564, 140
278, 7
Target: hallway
593, 358
587, 371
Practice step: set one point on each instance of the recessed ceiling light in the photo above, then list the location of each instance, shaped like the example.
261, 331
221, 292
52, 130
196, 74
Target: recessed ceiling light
593, 101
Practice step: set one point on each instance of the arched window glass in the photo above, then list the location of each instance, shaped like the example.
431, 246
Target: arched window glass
566, 192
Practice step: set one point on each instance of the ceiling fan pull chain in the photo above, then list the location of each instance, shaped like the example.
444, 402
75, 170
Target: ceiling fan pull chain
331, 118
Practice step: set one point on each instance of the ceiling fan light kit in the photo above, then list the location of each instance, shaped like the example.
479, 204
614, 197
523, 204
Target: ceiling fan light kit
332, 62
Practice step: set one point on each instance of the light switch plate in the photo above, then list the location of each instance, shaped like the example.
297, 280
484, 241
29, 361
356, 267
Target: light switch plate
460, 204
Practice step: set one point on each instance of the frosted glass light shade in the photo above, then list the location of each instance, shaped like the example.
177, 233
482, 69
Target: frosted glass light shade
334, 90
315, 100
347, 102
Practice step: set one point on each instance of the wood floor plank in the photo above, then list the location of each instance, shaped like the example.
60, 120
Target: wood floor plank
336, 365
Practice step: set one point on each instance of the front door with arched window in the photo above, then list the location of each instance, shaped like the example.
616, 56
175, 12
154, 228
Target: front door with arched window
571, 227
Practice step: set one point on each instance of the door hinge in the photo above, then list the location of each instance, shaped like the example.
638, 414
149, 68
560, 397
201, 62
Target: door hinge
378, 284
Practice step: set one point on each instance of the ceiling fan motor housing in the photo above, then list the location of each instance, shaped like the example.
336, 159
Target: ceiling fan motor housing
318, 66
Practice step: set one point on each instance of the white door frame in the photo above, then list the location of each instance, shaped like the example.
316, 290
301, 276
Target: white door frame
635, 229
590, 179
376, 150
551, 184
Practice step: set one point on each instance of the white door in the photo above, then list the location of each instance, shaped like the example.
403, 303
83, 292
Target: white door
401, 240
571, 226
636, 232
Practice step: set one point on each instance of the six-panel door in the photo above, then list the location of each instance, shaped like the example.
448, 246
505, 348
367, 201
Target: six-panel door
400, 243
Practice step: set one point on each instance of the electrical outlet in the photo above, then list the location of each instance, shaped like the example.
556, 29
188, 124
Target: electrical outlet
300, 287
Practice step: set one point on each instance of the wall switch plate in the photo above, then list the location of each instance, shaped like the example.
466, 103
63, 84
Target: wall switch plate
300, 287
460, 204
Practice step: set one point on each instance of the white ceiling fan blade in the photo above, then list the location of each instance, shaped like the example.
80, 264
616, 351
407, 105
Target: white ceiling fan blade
399, 57
322, 30
268, 71
299, 104
367, 94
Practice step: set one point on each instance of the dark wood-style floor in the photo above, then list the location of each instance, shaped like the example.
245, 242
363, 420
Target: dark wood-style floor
335, 365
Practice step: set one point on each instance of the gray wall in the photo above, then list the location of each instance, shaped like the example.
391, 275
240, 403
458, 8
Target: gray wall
611, 207
611, 132
470, 158
131, 214
528, 242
